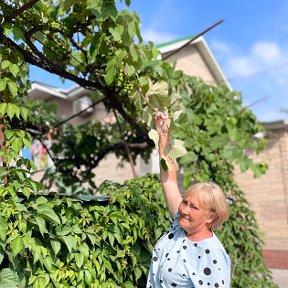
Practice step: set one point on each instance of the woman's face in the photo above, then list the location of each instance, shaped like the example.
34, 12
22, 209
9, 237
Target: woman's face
192, 217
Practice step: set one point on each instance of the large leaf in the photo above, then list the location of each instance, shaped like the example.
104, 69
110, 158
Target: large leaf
8, 279
3, 226
17, 245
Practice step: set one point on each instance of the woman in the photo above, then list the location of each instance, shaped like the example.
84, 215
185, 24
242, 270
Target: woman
189, 254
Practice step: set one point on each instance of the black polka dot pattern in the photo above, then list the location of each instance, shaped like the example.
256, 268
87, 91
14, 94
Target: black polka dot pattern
207, 271
179, 262
171, 235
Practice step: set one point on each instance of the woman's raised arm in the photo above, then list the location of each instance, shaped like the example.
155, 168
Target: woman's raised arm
168, 178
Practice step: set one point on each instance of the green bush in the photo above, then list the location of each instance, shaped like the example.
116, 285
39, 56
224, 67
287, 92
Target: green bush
55, 241
64, 242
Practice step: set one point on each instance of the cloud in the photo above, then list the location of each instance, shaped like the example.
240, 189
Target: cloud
269, 52
157, 37
240, 66
262, 57
261, 74
221, 46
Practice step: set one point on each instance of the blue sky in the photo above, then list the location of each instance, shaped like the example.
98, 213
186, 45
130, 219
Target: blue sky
250, 45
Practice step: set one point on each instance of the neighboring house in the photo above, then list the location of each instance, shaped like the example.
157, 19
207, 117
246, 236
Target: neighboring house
267, 195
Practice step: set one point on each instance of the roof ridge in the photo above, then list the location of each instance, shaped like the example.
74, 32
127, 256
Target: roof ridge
174, 41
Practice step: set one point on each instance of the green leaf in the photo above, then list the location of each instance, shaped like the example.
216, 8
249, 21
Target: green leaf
88, 277
14, 69
143, 81
79, 259
24, 113
12, 88
117, 32
41, 223
56, 246
8, 279
1, 256
84, 250
48, 214
111, 238
138, 273
5, 64
164, 164
130, 70
69, 241
133, 53
17, 144
18, 33
3, 227
9, 134
12, 109
160, 88
17, 245
177, 149
128, 284
3, 84
131, 29
26, 191
110, 74
3, 171
7, 28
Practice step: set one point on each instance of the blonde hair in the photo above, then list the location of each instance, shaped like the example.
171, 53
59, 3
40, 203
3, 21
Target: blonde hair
212, 198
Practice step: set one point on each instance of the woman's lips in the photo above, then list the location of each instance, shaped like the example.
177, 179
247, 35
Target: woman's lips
184, 217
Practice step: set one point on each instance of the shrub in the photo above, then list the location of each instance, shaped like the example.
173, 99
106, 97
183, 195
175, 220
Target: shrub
59, 241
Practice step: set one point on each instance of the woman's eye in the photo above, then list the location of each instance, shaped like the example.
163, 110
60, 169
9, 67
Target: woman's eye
193, 207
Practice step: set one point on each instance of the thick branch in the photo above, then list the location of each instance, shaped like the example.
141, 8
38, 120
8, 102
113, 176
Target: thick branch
42, 62
21, 10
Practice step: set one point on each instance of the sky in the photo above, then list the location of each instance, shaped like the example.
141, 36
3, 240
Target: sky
250, 45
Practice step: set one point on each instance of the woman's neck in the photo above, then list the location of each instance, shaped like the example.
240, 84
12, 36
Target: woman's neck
199, 235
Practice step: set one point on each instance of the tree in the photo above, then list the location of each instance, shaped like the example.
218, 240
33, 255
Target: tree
100, 48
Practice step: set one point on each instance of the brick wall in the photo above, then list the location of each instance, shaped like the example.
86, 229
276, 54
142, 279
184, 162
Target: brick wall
268, 197
277, 259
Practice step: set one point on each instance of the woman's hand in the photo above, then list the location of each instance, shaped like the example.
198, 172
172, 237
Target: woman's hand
161, 125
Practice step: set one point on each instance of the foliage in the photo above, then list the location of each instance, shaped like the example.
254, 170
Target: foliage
56, 241
63, 242
218, 132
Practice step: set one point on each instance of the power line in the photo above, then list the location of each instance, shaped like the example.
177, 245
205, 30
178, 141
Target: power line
193, 39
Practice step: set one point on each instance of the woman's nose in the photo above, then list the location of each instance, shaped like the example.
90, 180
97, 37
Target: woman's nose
184, 209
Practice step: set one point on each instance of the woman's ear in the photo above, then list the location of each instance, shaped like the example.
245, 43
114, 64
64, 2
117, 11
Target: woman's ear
211, 217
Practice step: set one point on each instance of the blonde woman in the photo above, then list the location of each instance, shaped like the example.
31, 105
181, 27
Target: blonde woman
189, 254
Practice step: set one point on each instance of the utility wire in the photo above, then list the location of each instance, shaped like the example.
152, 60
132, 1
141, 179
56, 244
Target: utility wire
193, 39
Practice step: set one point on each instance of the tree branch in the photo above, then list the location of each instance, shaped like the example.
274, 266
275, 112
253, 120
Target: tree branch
42, 62
20, 10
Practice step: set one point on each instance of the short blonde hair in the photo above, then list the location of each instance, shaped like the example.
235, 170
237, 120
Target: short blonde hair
212, 198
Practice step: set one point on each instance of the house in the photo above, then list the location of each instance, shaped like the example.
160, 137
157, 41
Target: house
268, 195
